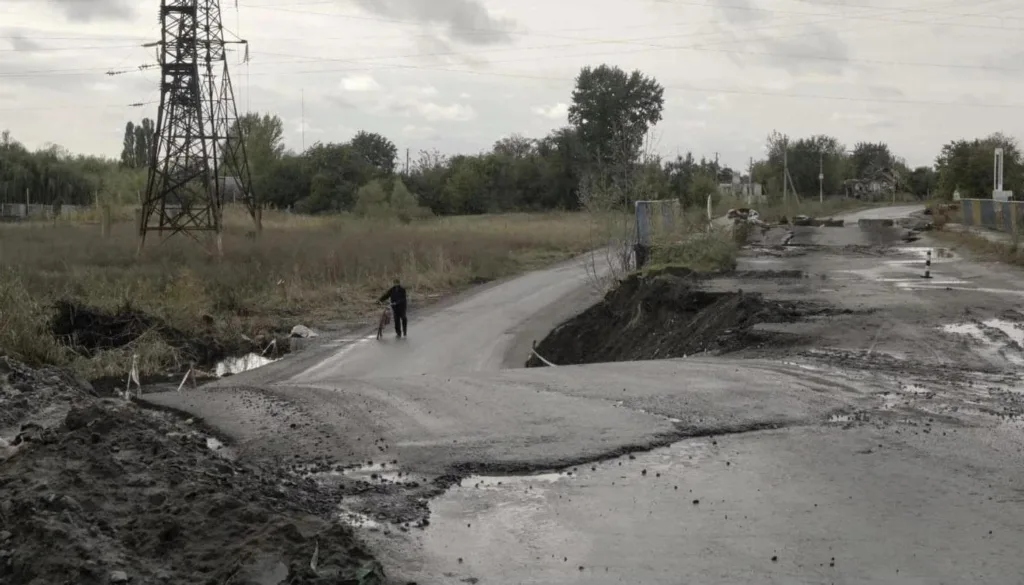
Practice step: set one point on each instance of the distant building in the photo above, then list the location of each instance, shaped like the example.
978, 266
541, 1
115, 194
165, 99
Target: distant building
749, 191
882, 182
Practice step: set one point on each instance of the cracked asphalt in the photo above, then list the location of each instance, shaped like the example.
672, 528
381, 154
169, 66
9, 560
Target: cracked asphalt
882, 450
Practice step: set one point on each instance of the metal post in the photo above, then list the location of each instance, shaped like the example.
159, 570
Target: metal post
821, 177
785, 171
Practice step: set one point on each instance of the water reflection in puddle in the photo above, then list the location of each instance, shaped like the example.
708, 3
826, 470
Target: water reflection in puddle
996, 338
245, 363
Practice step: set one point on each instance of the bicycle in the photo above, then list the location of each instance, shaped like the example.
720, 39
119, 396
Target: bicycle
385, 319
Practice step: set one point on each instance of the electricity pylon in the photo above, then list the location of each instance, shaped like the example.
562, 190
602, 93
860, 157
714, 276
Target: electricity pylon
199, 152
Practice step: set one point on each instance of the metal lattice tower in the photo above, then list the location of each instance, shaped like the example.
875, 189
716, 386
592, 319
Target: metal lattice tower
199, 151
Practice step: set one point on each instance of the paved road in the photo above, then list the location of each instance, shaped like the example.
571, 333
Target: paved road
486, 331
899, 478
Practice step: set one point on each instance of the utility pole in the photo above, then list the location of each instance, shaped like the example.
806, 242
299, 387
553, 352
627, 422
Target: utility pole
821, 177
303, 120
406, 162
750, 181
785, 171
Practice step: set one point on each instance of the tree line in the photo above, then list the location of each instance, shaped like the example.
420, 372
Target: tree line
603, 147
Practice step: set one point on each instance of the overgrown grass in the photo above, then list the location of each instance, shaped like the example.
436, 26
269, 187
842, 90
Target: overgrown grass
1000, 247
703, 252
301, 270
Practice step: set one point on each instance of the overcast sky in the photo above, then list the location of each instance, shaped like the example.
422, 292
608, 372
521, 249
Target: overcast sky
458, 74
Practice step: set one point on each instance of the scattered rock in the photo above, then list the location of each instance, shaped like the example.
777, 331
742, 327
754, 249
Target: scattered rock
118, 577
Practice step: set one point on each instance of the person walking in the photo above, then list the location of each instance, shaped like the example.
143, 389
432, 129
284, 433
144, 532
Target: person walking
398, 306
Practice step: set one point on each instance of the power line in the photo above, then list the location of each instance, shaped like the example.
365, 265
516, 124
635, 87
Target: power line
695, 47
640, 40
76, 107
72, 48
683, 88
637, 41
874, 18
35, 37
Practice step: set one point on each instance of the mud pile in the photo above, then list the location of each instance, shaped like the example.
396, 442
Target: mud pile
91, 331
97, 491
664, 315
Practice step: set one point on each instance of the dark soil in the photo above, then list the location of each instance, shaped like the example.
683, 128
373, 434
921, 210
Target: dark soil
90, 331
667, 315
95, 490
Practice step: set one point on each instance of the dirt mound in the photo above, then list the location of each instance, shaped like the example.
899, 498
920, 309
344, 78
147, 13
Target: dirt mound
665, 315
24, 392
96, 491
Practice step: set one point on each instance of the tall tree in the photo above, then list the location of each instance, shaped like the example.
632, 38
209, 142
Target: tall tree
869, 157
144, 143
612, 112
377, 150
515, 146
264, 140
967, 166
128, 152
805, 158
922, 181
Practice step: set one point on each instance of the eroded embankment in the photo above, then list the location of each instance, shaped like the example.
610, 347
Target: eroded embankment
666, 314
166, 352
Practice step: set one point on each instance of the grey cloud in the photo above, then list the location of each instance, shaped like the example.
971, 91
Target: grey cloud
339, 101
464, 21
742, 12
39, 73
789, 52
89, 10
831, 52
22, 44
886, 91
438, 51
819, 51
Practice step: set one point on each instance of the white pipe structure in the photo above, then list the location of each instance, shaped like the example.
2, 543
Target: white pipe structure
997, 170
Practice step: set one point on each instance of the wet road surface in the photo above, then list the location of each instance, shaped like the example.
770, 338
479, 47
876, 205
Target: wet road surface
869, 471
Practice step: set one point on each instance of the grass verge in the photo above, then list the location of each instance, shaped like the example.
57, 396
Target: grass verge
998, 247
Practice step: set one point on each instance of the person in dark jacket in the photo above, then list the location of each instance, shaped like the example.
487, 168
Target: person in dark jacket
398, 305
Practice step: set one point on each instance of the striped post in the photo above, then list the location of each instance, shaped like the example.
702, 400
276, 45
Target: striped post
928, 265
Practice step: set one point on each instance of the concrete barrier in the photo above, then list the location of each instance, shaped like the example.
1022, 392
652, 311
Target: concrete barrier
875, 223
1004, 216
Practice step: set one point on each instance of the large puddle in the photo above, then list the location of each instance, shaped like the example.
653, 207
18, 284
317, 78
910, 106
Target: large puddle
232, 366
997, 339
756, 508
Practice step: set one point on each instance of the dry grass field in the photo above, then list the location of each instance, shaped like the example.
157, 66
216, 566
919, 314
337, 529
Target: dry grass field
302, 269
